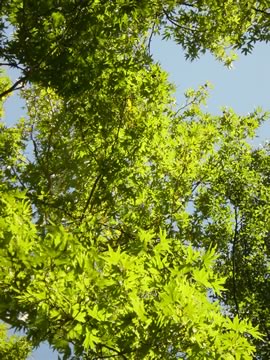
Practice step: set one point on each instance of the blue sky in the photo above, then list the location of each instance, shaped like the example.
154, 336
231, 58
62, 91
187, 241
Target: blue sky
243, 88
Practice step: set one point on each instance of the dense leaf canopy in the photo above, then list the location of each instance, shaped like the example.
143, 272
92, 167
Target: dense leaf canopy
131, 227
13, 347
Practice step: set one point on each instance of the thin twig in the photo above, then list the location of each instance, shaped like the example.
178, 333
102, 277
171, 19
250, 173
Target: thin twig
261, 11
14, 87
12, 65
150, 38
90, 196
234, 258
172, 21
119, 353
18, 177
186, 4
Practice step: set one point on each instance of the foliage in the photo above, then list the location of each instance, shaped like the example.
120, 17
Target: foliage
109, 228
114, 302
79, 40
12, 347
234, 200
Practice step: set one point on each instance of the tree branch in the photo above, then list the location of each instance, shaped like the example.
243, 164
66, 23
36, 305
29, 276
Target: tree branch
234, 258
173, 22
261, 11
150, 38
90, 196
19, 84
18, 177
12, 65
186, 4
119, 353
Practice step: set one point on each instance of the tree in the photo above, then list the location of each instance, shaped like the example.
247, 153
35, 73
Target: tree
79, 40
13, 347
101, 253
233, 200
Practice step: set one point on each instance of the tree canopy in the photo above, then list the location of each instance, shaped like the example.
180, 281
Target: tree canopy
131, 227
13, 346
